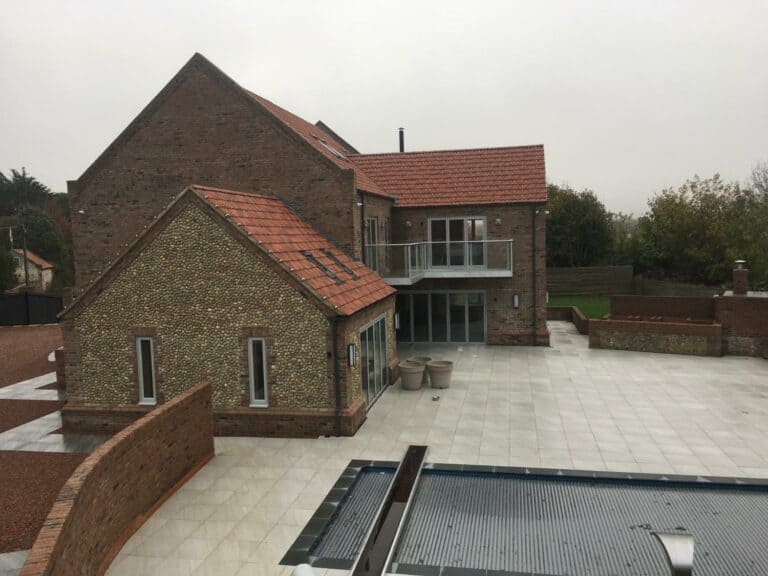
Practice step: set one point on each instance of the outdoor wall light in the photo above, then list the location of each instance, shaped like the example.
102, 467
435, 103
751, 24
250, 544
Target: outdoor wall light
497, 221
408, 224
352, 355
516, 301
397, 321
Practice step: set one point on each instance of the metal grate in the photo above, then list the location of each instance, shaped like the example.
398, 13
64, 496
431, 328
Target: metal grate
346, 533
556, 525
571, 526
323, 268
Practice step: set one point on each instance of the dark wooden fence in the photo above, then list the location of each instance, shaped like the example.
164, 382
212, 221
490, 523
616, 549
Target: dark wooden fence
590, 280
611, 280
29, 308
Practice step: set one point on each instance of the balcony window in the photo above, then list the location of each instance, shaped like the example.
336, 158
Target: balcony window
457, 242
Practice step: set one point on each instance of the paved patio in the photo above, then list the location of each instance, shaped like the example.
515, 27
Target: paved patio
564, 406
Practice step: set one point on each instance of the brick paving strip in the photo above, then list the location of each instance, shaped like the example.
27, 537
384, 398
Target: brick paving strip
35, 462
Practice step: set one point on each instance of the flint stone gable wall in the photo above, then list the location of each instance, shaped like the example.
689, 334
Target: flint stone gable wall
200, 293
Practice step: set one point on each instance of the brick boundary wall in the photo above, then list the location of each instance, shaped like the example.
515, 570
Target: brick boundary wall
665, 337
121, 484
569, 314
281, 423
688, 308
745, 325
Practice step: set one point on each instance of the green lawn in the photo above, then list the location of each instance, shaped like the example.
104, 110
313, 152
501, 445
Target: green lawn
591, 306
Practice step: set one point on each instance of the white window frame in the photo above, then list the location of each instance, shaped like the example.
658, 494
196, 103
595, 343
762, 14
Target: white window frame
146, 401
257, 402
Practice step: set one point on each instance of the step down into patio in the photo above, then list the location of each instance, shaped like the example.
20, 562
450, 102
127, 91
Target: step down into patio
382, 537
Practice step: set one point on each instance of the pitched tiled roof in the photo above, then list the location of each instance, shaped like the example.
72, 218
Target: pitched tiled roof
322, 141
35, 259
345, 284
459, 177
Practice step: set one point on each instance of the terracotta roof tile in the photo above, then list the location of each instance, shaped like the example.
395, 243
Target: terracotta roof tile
315, 261
459, 177
322, 141
35, 259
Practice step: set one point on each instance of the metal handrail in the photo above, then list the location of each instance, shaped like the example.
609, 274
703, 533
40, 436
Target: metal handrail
417, 259
441, 242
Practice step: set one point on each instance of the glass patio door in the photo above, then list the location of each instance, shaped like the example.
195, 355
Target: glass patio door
441, 316
373, 359
457, 242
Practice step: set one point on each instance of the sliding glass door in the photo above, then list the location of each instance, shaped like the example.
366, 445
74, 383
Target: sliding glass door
441, 316
373, 359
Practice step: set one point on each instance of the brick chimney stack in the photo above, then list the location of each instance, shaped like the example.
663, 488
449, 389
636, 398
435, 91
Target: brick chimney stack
740, 278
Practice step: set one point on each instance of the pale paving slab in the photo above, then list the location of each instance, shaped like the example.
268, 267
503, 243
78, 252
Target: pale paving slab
564, 406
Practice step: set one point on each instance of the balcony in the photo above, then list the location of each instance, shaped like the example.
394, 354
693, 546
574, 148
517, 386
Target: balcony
406, 264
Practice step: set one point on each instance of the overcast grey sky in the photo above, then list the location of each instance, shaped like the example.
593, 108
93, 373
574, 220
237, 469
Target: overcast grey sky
627, 97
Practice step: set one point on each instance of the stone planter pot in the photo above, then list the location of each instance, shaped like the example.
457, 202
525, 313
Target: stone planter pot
411, 374
423, 361
440, 373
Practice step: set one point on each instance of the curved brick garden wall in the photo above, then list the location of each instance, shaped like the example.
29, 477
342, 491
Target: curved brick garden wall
120, 484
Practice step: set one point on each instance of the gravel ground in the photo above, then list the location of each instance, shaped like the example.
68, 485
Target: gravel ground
30, 483
16, 412
24, 351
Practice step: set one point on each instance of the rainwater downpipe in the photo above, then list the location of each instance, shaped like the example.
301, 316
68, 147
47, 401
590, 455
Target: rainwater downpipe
362, 226
336, 375
533, 275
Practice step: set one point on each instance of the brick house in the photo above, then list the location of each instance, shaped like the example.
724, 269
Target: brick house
237, 289
456, 240
40, 271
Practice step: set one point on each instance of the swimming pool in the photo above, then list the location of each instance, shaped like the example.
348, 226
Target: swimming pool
477, 520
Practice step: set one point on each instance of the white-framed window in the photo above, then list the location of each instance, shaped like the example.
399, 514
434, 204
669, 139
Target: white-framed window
371, 241
257, 370
457, 241
145, 364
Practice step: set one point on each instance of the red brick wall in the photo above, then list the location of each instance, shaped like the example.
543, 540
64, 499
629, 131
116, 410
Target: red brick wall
506, 325
117, 487
745, 325
670, 307
202, 132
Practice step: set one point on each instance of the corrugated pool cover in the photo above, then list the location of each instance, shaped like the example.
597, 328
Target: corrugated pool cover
514, 523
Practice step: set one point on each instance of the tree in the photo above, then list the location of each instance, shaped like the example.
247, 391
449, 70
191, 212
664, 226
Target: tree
25, 200
696, 232
579, 231
21, 190
759, 179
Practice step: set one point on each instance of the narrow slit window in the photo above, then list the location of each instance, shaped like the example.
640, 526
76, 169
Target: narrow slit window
257, 367
145, 359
